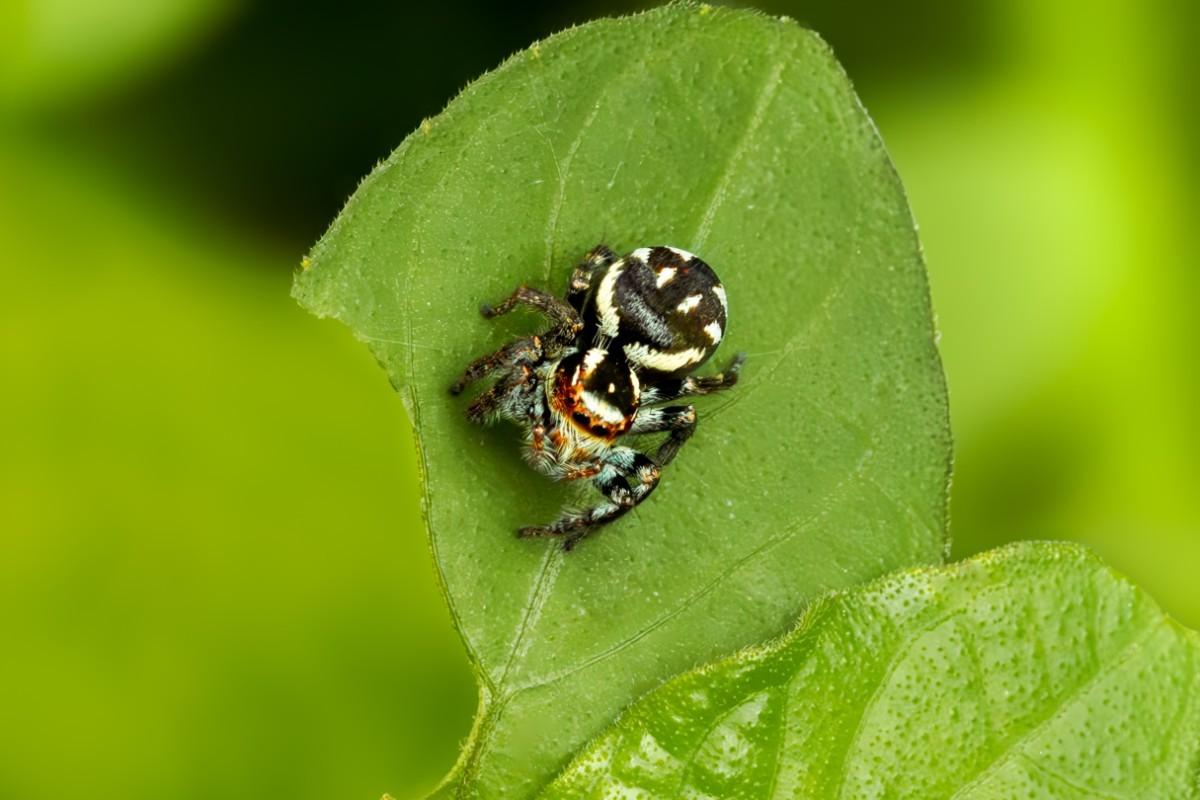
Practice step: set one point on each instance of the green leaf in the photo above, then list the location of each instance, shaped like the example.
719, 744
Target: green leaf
1030, 671
735, 136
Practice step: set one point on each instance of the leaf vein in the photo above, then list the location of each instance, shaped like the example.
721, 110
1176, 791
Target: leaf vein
1053, 775
564, 171
897, 658
761, 105
764, 377
777, 763
540, 592
1128, 653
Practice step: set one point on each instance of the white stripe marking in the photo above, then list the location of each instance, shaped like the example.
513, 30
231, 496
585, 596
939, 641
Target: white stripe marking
689, 304
713, 329
602, 409
719, 291
665, 276
650, 358
606, 301
593, 359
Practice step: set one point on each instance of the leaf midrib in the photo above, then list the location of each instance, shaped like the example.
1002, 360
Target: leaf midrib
762, 104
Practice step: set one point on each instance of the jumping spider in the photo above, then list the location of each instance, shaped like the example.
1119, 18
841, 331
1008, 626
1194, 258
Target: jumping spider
626, 338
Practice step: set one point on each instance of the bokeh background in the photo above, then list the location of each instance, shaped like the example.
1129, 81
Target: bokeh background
213, 581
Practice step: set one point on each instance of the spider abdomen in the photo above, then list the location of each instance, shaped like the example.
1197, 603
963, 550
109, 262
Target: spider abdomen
664, 307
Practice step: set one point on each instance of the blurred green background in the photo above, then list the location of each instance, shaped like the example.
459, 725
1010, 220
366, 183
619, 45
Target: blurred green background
214, 582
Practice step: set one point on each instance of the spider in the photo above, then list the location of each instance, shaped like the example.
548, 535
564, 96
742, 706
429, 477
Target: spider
625, 339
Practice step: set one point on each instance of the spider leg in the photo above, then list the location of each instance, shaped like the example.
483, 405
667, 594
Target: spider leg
621, 464
491, 402
673, 388
581, 279
566, 319
654, 420
521, 351
683, 425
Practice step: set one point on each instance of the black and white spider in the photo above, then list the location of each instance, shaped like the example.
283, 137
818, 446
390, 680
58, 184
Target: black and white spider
626, 338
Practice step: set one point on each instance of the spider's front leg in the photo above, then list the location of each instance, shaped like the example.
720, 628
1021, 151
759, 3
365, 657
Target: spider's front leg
626, 479
597, 259
566, 319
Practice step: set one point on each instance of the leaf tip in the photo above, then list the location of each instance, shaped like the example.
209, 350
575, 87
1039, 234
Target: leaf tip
305, 264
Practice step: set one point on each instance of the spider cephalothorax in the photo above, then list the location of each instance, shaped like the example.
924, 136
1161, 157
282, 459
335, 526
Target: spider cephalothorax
626, 338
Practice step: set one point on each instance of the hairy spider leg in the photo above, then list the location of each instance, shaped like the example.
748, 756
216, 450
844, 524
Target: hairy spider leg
493, 401
525, 350
566, 319
677, 438
580, 284
667, 389
620, 465
679, 420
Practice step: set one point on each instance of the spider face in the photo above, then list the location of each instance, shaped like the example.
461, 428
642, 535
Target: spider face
624, 339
